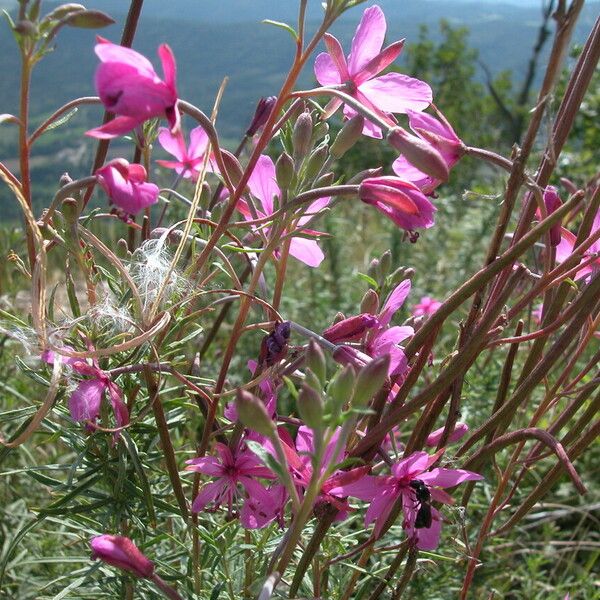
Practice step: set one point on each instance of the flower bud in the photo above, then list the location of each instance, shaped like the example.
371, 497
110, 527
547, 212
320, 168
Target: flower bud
26, 28
65, 9
370, 379
385, 263
315, 361
261, 114
70, 210
325, 180
340, 388
419, 153
284, 171
320, 130
310, 407
121, 552
552, 202
373, 269
351, 329
232, 166
370, 302
315, 163
347, 355
302, 136
362, 175
253, 414
348, 136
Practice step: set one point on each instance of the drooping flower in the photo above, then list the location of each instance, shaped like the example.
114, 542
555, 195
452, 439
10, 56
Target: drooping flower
389, 93
456, 434
126, 186
399, 200
263, 186
121, 552
231, 470
130, 88
189, 159
427, 306
86, 400
383, 491
440, 135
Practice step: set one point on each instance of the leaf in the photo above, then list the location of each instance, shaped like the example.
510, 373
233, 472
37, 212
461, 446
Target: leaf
368, 279
139, 469
285, 26
266, 458
88, 19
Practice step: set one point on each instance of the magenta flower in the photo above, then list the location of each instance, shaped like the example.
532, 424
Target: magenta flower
427, 306
86, 400
351, 329
130, 88
263, 186
231, 470
189, 159
552, 202
390, 93
126, 186
457, 433
400, 201
122, 553
567, 245
440, 135
410, 478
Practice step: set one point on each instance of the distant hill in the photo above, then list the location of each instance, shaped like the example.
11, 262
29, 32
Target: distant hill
216, 38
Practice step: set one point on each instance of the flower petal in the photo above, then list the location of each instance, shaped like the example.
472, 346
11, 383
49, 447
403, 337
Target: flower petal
262, 183
394, 302
84, 403
397, 93
449, 477
326, 72
306, 251
368, 39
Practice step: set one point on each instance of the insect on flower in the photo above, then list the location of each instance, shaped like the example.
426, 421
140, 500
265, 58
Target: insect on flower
423, 519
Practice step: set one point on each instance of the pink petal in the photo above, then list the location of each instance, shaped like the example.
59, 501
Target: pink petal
198, 142
334, 49
208, 493
365, 489
208, 465
169, 67
386, 57
326, 72
85, 401
313, 209
368, 39
173, 144
260, 508
394, 302
396, 334
411, 466
118, 126
429, 538
449, 477
262, 183
106, 51
306, 251
397, 93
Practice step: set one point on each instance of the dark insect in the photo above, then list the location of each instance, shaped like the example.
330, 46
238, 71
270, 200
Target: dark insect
274, 346
423, 495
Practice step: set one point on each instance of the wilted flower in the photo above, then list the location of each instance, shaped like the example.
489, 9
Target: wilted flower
382, 493
399, 200
126, 186
121, 552
129, 87
389, 93
441, 137
261, 114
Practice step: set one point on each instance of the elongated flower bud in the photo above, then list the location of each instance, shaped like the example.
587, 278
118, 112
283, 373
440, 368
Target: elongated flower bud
370, 302
261, 114
302, 136
351, 329
253, 414
348, 136
315, 361
370, 379
233, 167
310, 407
340, 388
419, 153
315, 162
435, 436
121, 552
284, 171
552, 202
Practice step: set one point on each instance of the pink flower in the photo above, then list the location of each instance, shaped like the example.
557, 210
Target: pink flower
567, 245
351, 329
263, 186
440, 135
390, 93
537, 313
126, 186
189, 160
457, 433
426, 307
399, 200
130, 88
416, 485
121, 552
233, 469
86, 400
